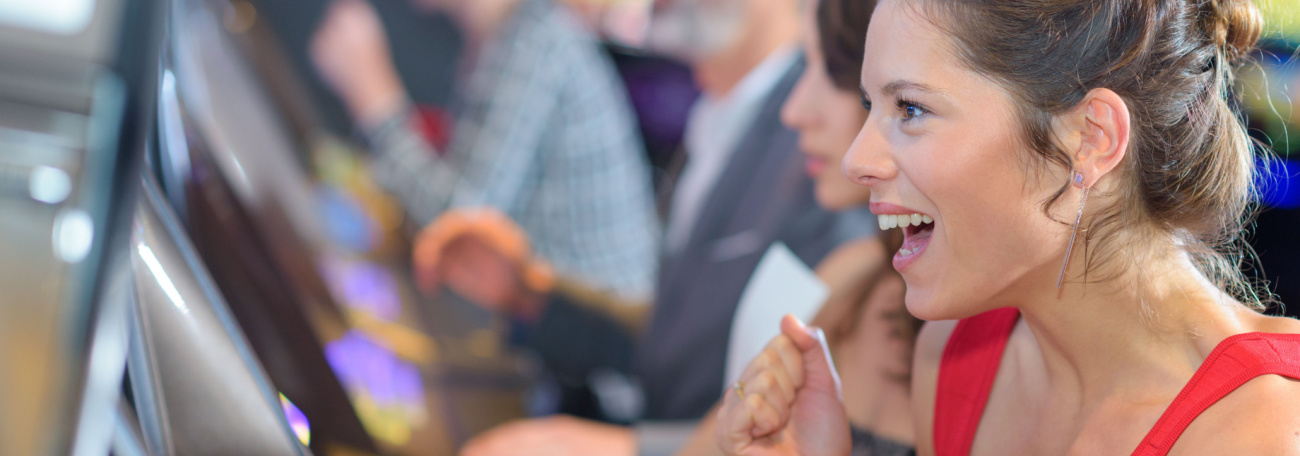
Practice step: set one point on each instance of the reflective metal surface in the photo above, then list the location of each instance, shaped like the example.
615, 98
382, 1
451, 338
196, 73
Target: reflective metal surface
74, 108
238, 223
190, 364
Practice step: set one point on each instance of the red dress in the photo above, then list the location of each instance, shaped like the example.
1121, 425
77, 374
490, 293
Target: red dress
974, 351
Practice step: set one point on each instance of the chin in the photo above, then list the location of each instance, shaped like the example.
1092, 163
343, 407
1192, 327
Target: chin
920, 304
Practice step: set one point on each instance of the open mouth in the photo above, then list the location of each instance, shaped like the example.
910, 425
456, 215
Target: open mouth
917, 230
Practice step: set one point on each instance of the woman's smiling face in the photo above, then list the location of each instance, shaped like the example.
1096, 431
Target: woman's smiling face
943, 142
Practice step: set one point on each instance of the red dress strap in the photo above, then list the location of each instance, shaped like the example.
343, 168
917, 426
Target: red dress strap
1235, 361
966, 373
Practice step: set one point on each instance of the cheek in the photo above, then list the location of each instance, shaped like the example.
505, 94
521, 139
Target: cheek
993, 230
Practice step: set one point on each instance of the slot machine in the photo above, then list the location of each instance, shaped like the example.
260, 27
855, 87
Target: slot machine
77, 80
309, 258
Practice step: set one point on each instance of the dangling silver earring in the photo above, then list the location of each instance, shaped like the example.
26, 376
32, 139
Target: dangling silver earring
1078, 182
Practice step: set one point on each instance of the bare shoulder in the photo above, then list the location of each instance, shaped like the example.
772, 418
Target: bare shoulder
925, 377
1260, 417
1278, 325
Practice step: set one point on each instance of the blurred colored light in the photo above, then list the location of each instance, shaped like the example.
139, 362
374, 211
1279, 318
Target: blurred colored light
48, 184
297, 420
1279, 183
74, 234
387, 392
345, 219
363, 285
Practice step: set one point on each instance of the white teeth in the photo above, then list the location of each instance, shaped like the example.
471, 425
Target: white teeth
905, 252
888, 221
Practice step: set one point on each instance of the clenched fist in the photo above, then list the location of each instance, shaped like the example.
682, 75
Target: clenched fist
787, 401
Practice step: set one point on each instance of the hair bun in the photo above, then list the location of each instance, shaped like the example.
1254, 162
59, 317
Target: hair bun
1234, 26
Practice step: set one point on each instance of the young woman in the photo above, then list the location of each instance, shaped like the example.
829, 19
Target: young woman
1071, 181
869, 329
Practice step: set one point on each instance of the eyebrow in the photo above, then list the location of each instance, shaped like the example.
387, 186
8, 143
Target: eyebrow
900, 85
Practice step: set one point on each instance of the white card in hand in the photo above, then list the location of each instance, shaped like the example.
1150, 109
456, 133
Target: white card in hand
782, 284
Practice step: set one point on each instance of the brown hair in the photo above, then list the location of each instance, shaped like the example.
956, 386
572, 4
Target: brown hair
843, 31
1190, 162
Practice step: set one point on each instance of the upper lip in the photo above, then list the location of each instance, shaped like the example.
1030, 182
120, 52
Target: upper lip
883, 208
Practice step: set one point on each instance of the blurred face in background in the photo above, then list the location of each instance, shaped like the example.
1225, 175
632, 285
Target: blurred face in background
827, 119
693, 30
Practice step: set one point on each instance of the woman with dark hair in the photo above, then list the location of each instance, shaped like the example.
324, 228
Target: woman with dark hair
868, 327
1072, 184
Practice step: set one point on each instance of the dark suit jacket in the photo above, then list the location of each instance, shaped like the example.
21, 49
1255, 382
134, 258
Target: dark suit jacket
762, 197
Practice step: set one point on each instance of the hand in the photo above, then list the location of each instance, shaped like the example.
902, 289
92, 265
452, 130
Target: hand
560, 436
791, 404
482, 255
351, 53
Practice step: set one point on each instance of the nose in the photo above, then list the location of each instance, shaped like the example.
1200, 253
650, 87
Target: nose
870, 160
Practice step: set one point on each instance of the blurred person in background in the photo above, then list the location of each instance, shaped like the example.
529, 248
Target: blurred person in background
742, 189
543, 133
870, 334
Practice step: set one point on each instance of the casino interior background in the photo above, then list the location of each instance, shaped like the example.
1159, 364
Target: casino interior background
223, 266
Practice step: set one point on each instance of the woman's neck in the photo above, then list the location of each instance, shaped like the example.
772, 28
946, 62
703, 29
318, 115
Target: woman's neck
1102, 339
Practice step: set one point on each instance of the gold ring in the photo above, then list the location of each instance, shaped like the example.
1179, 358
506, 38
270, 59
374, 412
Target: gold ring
740, 389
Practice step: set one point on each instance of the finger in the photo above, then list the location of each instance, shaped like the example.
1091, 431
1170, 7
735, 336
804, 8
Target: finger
780, 353
765, 417
781, 360
440, 231
769, 368
767, 386
818, 368
734, 425
788, 356
798, 333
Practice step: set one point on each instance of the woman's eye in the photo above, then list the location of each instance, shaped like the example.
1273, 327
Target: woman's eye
866, 104
911, 111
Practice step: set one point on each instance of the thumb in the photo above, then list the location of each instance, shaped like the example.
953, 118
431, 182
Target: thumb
818, 368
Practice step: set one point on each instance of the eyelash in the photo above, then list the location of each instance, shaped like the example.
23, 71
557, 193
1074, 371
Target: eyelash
911, 110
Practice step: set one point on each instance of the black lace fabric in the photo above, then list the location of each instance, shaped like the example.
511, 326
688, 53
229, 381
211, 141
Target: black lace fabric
868, 444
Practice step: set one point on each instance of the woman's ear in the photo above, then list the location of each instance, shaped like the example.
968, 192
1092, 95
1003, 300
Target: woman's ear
1102, 125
